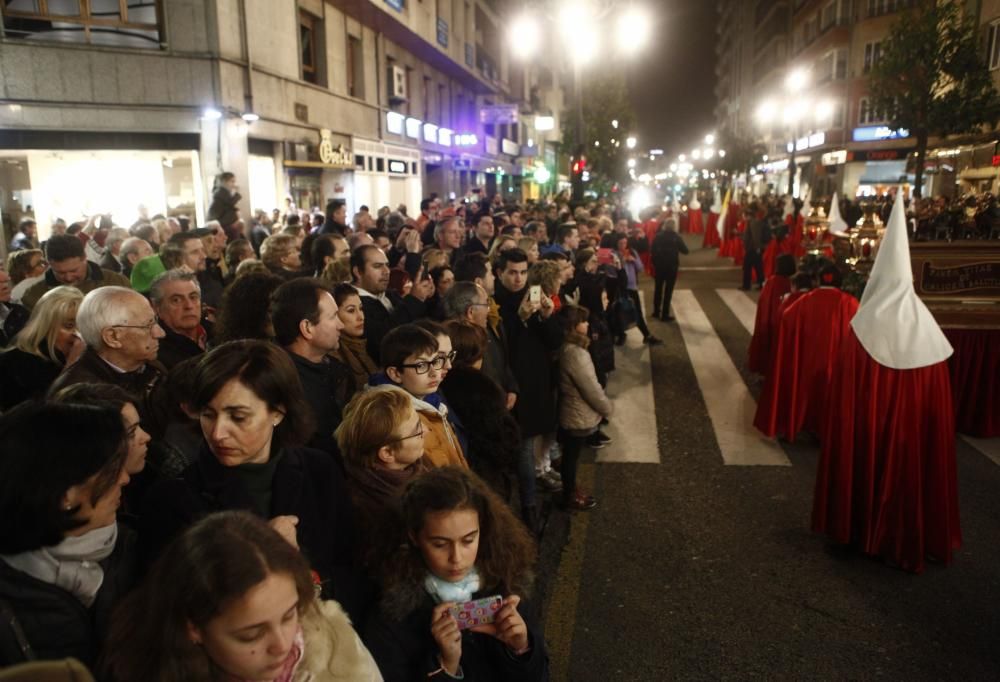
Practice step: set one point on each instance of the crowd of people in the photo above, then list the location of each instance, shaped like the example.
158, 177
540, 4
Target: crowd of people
294, 447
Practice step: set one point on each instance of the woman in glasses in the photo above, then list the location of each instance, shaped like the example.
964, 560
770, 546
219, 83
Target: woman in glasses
381, 439
254, 421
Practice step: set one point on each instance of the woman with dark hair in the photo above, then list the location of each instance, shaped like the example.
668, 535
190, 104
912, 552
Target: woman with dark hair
136, 439
63, 562
254, 420
461, 543
353, 350
443, 277
230, 599
245, 312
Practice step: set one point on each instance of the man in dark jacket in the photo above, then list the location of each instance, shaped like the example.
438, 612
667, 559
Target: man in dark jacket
336, 218
176, 298
384, 308
534, 335
753, 244
68, 265
667, 245
224, 201
306, 325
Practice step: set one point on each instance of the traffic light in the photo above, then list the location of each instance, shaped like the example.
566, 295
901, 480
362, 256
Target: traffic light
578, 175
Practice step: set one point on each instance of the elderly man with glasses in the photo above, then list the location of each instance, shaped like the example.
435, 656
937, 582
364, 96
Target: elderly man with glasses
123, 337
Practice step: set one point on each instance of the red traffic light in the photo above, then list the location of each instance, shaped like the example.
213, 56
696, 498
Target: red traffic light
579, 165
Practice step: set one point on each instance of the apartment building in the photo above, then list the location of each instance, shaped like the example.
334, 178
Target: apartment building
106, 105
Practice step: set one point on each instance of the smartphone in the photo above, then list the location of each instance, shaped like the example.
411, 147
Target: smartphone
535, 293
479, 612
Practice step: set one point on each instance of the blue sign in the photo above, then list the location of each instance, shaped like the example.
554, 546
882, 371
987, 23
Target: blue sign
469, 59
396, 4
442, 32
874, 133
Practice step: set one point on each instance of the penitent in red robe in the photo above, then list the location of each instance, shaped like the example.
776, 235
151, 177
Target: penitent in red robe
696, 224
765, 323
809, 338
711, 239
886, 480
649, 229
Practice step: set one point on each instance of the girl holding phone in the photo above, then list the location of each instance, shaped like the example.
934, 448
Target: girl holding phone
463, 543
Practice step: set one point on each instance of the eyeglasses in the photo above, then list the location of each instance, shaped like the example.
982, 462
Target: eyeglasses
479, 305
450, 357
419, 432
424, 366
147, 327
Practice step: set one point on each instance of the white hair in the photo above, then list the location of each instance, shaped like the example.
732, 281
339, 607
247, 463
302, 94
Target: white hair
102, 308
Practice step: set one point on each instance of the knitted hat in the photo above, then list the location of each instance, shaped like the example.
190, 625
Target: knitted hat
145, 271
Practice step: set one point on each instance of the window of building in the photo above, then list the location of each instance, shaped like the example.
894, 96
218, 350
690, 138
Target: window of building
96, 22
873, 53
426, 95
877, 8
308, 31
409, 91
355, 68
868, 114
829, 15
444, 117
993, 45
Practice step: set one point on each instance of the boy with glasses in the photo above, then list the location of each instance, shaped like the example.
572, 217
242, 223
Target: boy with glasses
411, 360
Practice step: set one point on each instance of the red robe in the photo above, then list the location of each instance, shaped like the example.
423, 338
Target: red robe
696, 223
809, 337
794, 239
886, 480
975, 380
711, 239
649, 228
684, 223
766, 323
728, 229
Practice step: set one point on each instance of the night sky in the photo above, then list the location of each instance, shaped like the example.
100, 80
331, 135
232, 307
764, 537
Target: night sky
672, 84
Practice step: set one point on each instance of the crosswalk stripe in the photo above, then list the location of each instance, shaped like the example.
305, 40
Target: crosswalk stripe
990, 447
630, 387
742, 306
730, 405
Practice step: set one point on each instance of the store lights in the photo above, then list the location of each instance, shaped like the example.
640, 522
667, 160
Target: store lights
466, 140
211, 114
250, 117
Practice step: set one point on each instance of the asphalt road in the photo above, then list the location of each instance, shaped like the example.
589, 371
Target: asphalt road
690, 569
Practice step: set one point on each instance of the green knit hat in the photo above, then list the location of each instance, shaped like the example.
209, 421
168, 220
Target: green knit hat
145, 271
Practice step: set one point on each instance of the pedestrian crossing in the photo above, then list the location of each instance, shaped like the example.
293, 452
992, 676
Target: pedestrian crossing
742, 306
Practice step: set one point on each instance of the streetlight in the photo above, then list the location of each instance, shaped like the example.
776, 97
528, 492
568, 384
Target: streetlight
630, 142
633, 29
525, 37
631, 163
797, 80
710, 139
614, 124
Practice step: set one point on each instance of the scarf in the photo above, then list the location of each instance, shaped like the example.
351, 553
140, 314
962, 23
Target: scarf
444, 590
384, 485
353, 352
290, 664
72, 564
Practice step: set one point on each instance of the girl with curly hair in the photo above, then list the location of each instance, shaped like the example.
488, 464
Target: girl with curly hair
462, 543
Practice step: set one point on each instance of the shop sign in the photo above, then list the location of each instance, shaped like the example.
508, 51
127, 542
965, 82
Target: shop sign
878, 155
333, 156
462, 164
444, 137
874, 133
433, 159
442, 32
491, 145
394, 122
834, 158
510, 147
466, 140
430, 133
498, 114
413, 128
398, 167
545, 123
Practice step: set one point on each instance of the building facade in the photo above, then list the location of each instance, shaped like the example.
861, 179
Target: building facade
378, 102
853, 151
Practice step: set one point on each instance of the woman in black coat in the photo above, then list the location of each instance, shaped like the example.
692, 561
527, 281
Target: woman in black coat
594, 296
253, 419
39, 351
462, 543
64, 561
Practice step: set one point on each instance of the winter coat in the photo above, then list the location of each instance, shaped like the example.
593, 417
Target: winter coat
327, 386
17, 317
175, 348
333, 650
491, 432
582, 401
26, 376
667, 245
441, 444
53, 622
406, 651
96, 277
148, 385
223, 207
531, 346
379, 321
307, 484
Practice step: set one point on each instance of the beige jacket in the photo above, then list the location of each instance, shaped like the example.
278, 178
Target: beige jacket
582, 402
333, 652
441, 446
